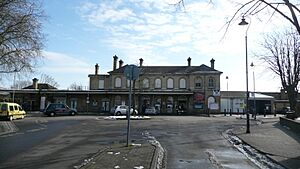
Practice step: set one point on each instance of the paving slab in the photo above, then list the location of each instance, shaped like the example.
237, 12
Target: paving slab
136, 156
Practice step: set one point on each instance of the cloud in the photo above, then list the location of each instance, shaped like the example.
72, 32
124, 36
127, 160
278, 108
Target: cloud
62, 63
159, 32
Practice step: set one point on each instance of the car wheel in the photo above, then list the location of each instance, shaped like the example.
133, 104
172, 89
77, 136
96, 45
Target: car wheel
118, 113
52, 114
10, 118
72, 113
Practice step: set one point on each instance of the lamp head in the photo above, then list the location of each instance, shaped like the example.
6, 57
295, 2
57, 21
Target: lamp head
243, 22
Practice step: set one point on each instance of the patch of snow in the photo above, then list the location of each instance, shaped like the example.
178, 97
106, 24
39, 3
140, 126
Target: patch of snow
117, 153
133, 144
161, 151
252, 154
85, 162
139, 167
110, 152
125, 117
117, 167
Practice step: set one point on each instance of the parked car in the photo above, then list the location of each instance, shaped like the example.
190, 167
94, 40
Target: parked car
284, 110
150, 110
122, 110
54, 109
11, 111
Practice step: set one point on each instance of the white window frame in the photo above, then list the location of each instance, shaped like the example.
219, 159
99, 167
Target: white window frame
170, 83
118, 82
157, 83
211, 83
198, 80
146, 83
182, 83
101, 84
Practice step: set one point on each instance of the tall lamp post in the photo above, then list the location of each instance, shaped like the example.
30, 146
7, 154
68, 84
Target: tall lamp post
14, 85
227, 95
244, 23
254, 104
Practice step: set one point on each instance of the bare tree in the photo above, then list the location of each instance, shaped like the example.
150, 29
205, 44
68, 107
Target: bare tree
21, 38
283, 58
254, 7
21, 84
75, 86
49, 80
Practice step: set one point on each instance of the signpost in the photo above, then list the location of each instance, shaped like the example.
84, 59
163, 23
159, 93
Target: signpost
131, 72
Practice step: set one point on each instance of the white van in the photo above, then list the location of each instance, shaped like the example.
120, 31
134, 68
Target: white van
11, 111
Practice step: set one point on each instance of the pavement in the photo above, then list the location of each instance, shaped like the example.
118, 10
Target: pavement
136, 156
273, 140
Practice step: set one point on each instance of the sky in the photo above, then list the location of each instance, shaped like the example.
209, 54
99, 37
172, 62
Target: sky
81, 33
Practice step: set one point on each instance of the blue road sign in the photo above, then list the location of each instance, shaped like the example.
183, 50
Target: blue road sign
131, 72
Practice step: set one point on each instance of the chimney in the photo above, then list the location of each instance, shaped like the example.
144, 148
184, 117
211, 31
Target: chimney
121, 63
35, 83
115, 62
189, 61
96, 69
141, 62
212, 63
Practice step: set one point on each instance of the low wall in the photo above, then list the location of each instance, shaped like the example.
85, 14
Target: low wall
292, 124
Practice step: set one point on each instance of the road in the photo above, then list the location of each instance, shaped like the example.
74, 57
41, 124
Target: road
64, 142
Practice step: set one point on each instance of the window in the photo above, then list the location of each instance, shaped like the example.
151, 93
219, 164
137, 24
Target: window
146, 83
4, 107
118, 82
157, 83
182, 83
198, 82
11, 108
170, 83
101, 84
211, 82
20, 108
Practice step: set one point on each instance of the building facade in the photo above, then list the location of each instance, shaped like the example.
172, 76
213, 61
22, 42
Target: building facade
195, 88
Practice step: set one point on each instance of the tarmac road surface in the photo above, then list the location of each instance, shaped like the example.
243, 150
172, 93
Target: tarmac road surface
64, 142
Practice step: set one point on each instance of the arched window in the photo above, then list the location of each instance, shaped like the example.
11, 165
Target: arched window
118, 82
211, 82
170, 83
198, 82
146, 83
157, 83
182, 83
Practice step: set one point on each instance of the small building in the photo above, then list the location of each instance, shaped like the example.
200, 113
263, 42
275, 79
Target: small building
235, 102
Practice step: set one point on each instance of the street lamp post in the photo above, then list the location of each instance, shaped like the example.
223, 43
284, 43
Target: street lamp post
243, 23
227, 95
254, 104
14, 86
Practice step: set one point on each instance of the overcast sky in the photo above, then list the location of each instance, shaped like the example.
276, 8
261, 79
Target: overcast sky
83, 33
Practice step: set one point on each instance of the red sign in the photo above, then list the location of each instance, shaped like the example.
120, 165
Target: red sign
199, 97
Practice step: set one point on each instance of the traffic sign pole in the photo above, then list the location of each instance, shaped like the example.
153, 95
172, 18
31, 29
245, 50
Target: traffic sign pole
131, 72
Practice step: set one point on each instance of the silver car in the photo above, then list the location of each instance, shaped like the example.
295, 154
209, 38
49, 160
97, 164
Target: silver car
122, 110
